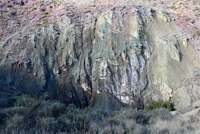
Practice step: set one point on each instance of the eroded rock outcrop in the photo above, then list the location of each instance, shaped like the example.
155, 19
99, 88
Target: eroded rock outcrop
134, 53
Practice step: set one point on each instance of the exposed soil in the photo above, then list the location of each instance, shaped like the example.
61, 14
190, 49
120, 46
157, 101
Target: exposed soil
24, 16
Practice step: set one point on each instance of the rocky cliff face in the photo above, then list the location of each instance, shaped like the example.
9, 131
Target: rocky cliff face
133, 52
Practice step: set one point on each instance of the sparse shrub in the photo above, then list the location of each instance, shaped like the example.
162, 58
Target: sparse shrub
99, 115
113, 121
197, 31
50, 6
185, 17
40, 4
14, 122
10, 112
18, 23
181, 3
32, 9
43, 17
45, 13
24, 101
51, 109
42, 9
55, 117
179, 15
154, 4
38, 25
143, 117
88, 11
48, 124
8, 5
168, 105
173, 7
12, 13
49, 23
151, 105
188, 18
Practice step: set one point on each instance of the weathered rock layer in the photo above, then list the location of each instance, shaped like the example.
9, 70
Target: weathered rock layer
134, 53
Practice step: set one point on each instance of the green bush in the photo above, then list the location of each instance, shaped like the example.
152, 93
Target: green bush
14, 122
168, 105
24, 101
12, 13
40, 4
55, 117
51, 116
154, 4
45, 13
32, 9
48, 124
49, 23
38, 25
43, 17
88, 11
51, 109
8, 5
50, 6
173, 7
151, 105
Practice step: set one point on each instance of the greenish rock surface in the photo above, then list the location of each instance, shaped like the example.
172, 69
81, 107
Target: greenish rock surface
136, 54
